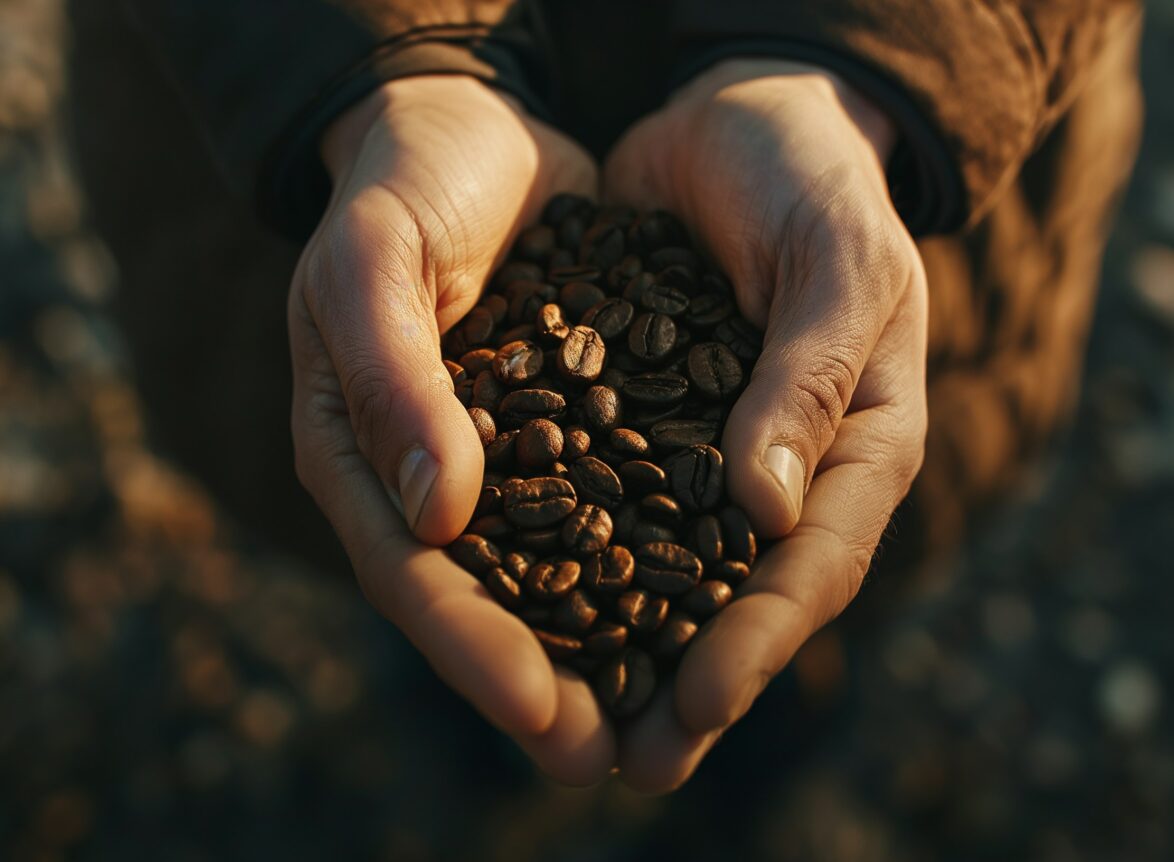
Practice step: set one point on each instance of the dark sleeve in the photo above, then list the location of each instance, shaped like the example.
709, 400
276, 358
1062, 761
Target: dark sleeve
972, 86
264, 78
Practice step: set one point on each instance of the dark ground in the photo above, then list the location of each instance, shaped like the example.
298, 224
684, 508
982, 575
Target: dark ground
171, 689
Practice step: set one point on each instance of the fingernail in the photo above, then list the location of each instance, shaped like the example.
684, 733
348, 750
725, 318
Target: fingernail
417, 474
787, 468
393, 495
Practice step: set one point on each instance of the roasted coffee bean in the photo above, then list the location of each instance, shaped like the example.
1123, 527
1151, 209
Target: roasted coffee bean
497, 306
602, 246
596, 482
558, 647
610, 318
641, 611
652, 336
740, 543
679, 433
537, 503
628, 268
707, 310
661, 508
478, 326
641, 476
707, 598
664, 299
624, 521
609, 572
575, 274
521, 332
740, 336
587, 530
602, 409
576, 443
552, 579
649, 531
625, 684
550, 325
657, 388
520, 406
613, 378
656, 229
695, 476
517, 363
478, 360
488, 502
581, 355
535, 243
492, 477
714, 369
662, 258
517, 270
505, 589
499, 454
570, 236
474, 553
579, 296
559, 471
539, 444
464, 393
667, 568
680, 278
488, 391
607, 639
544, 541
517, 563
733, 572
637, 284
492, 527
455, 371
628, 443
483, 422
672, 637
705, 535
575, 613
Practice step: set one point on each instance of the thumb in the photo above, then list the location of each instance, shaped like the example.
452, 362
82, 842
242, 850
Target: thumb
378, 324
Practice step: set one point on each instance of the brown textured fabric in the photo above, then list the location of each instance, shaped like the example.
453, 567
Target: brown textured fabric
204, 285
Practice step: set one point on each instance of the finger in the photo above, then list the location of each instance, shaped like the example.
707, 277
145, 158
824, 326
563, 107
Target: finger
378, 325
810, 576
657, 754
580, 747
483, 652
823, 324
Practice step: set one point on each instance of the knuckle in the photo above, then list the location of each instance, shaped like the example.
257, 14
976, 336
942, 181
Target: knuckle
370, 398
822, 394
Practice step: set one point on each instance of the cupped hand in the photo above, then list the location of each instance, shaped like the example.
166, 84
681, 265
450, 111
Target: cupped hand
777, 168
432, 179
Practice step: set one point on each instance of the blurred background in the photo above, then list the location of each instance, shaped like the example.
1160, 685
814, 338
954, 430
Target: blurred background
172, 688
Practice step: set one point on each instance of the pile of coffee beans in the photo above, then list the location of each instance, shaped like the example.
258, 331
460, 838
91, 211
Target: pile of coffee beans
598, 370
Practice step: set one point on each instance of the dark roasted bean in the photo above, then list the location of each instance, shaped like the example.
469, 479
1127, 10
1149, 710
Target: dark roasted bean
456, 371
576, 443
733, 572
609, 572
535, 615
536, 503
707, 310
602, 409
607, 639
535, 243
478, 360
652, 336
581, 355
504, 588
657, 388
628, 268
464, 393
640, 611
492, 526
625, 519
705, 534
517, 563
742, 338
667, 568
641, 476
552, 579
575, 613
634, 289
579, 296
566, 204
625, 684
544, 541
650, 531
484, 424
680, 278
707, 598
474, 553
661, 508
559, 647
517, 363
487, 391
596, 482
587, 530
695, 476
520, 406
575, 274
521, 332
602, 246
500, 453
672, 637
517, 270
739, 538
714, 369
662, 258
613, 378
539, 444
559, 470
610, 318
488, 502
646, 417
678, 433
478, 326
656, 229
664, 299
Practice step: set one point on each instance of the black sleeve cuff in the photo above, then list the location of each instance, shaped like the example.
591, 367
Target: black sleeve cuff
925, 184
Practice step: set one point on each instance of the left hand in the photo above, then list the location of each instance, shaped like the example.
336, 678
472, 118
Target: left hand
777, 168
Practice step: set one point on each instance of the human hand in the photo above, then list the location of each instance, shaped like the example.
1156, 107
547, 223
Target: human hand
433, 177
777, 167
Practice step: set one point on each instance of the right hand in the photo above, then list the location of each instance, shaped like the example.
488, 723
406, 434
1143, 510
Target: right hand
433, 177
